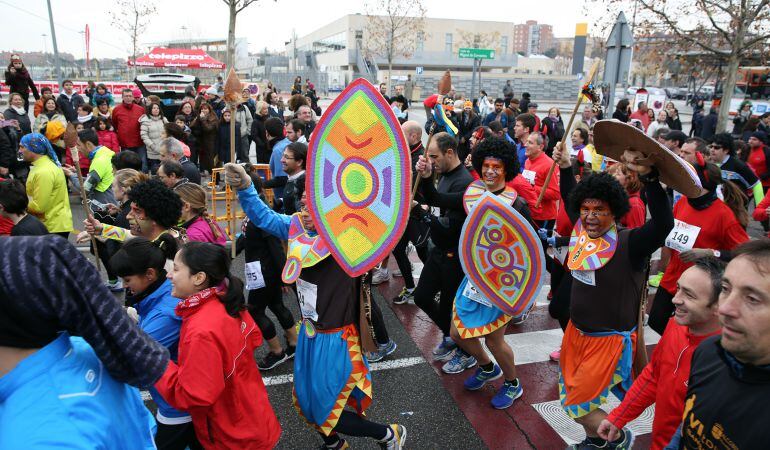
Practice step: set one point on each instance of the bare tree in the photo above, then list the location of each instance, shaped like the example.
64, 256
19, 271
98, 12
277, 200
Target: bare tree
392, 27
724, 31
235, 6
133, 17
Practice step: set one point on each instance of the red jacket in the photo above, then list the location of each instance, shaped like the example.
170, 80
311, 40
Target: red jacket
109, 139
760, 212
5, 224
126, 123
541, 165
668, 368
216, 379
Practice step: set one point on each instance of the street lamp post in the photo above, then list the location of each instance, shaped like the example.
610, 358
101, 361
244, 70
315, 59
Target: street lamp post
59, 77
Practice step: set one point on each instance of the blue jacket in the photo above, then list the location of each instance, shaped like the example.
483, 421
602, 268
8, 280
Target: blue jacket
62, 397
158, 319
491, 117
521, 152
275, 163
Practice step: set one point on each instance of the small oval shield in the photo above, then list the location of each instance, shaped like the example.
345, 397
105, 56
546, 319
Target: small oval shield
358, 178
501, 254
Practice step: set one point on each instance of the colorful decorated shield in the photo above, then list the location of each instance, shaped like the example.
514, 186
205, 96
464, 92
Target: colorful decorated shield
501, 255
303, 251
358, 178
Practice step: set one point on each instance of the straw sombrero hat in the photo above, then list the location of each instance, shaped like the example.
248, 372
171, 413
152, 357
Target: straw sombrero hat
612, 138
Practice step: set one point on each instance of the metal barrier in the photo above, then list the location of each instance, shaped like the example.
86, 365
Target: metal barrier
227, 196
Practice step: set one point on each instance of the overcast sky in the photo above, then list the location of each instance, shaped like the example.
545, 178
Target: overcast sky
265, 23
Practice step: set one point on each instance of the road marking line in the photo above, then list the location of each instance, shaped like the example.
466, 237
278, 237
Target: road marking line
385, 365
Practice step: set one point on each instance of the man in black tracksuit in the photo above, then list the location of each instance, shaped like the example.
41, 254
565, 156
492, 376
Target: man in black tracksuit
442, 272
729, 386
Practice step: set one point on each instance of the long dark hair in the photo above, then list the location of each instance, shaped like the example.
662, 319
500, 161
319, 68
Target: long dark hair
214, 261
139, 254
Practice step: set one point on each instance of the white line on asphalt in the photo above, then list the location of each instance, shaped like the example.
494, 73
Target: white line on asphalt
284, 379
385, 365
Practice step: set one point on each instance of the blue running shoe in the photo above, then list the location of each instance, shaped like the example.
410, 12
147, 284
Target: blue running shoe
382, 352
506, 395
480, 378
459, 362
444, 349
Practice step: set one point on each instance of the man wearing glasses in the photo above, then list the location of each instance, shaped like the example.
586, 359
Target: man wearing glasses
722, 153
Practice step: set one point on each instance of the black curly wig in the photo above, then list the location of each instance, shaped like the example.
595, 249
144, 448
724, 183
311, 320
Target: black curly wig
497, 148
159, 203
600, 186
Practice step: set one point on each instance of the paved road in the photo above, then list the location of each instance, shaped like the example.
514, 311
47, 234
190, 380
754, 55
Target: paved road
410, 388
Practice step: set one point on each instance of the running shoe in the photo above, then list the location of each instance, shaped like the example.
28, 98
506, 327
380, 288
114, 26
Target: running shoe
480, 378
459, 362
444, 349
271, 360
382, 352
290, 350
341, 444
521, 318
380, 276
405, 296
115, 285
506, 395
625, 443
396, 442
654, 280
554, 355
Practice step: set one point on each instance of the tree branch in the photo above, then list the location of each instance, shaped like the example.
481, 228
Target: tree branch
706, 9
672, 25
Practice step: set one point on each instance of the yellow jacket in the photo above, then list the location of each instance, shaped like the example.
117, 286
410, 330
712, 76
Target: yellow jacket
48, 198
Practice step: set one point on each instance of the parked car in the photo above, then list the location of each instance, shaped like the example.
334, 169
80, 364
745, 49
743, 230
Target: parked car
170, 87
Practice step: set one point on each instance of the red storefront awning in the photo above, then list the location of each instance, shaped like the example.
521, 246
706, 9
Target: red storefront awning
177, 57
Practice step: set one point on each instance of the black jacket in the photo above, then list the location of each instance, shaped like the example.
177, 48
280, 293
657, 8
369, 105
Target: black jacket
260, 139
69, 106
21, 82
223, 141
8, 147
24, 122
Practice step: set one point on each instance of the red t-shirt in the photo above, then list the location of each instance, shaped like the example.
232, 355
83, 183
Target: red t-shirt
541, 165
719, 230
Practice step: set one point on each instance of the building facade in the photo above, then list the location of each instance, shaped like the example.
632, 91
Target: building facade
342, 50
532, 38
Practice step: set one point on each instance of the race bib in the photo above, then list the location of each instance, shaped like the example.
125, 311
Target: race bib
254, 278
529, 175
472, 293
585, 276
307, 293
682, 237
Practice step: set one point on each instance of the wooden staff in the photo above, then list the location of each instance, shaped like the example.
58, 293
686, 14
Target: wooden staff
566, 132
640, 358
418, 178
232, 90
70, 140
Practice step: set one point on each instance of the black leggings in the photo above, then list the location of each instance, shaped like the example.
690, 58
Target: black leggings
442, 273
106, 250
661, 310
271, 297
558, 308
378, 323
176, 437
352, 424
402, 259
